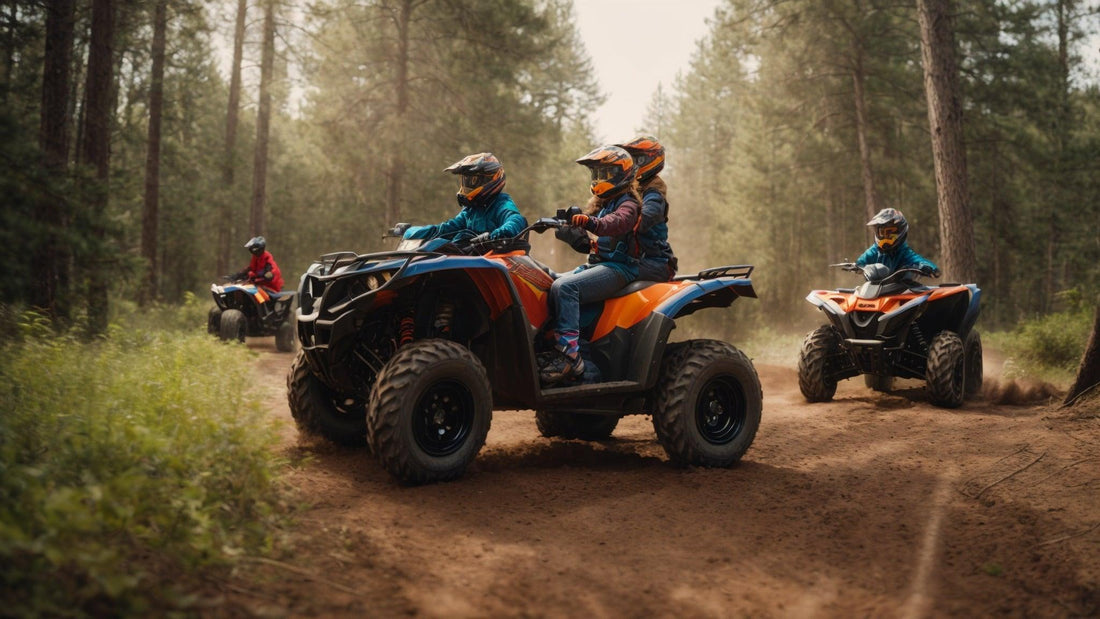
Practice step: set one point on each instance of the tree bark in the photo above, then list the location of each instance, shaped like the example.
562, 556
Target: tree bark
395, 174
226, 226
150, 214
941, 85
870, 194
263, 123
95, 151
1088, 374
9, 46
50, 262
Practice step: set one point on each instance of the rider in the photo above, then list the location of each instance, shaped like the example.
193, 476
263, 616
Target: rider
612, 215
890, 247
487, 211
261, 269
657, 262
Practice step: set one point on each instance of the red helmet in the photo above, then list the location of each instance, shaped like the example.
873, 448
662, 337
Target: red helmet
648, 154
482, 178
612, 170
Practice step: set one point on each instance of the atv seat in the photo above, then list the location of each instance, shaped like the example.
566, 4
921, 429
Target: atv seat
633, 287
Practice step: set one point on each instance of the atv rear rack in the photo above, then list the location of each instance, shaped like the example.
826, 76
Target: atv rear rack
741, 271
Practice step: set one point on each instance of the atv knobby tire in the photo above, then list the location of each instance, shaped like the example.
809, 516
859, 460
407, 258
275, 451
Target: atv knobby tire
973, 361
946, 370
878, 383
285, 336
320, 411
430, 411
583, 426
233, 326
813, 360
708, 404
214, 320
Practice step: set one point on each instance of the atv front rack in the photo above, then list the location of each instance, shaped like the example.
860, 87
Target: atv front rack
741, 271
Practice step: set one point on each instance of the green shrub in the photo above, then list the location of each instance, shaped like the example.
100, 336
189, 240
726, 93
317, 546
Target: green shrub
1049, 347
125, 466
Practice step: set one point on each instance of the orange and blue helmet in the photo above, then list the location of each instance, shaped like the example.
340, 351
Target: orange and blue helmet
648, 155
612, 170
482, 178
891, 228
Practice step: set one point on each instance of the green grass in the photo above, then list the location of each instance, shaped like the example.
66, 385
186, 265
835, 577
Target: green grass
128, 466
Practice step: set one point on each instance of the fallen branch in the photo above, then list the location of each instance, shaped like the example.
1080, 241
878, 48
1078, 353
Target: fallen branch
1011, 475
1070, 536
1063, 469
302, 572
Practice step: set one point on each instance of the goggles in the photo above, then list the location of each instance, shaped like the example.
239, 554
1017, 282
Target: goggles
886, 233
473, 181
603, 173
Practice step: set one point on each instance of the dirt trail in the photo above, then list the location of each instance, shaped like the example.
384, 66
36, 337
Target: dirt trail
870, 505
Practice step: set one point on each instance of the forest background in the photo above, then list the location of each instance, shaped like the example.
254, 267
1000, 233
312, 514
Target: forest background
136, 163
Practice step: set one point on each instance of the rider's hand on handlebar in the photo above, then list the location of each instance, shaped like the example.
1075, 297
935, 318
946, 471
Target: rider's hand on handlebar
481, 238
581, 221
929, 270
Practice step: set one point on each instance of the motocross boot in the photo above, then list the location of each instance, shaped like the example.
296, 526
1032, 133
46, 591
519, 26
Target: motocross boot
567, 364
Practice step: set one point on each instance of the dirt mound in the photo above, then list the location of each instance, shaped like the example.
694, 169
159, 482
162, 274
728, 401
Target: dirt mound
1019, 392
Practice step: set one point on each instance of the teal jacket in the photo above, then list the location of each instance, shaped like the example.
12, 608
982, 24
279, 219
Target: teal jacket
500, 218
903, 257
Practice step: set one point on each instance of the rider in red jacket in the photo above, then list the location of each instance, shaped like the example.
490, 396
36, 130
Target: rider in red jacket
262, 269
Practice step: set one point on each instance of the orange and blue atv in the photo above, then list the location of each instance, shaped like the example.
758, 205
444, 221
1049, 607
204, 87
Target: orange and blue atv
242, 308
410, 352
892, 326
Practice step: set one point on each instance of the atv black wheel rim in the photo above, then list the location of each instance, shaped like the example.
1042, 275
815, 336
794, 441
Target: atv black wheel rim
720, 411
443, 418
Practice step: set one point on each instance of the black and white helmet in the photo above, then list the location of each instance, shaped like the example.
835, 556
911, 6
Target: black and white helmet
256, 245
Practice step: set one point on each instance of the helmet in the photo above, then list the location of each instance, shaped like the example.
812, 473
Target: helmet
482, 178
890, 229
256, 245
612, 170
648, 155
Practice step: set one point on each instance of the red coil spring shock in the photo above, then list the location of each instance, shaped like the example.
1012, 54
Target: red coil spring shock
406, 330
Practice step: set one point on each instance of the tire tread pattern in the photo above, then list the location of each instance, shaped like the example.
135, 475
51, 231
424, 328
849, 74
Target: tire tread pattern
944, 353
389, 395
313, 410
812, 364
679, 370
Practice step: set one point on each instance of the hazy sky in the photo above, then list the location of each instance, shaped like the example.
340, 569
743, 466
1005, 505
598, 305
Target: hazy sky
634, 45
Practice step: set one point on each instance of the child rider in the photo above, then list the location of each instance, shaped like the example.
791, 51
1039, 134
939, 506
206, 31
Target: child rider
612, 214
890, 247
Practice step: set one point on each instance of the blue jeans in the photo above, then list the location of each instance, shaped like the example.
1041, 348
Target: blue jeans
587, 284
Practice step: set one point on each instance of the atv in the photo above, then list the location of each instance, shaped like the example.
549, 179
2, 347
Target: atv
241, 309
893, 326
410, 352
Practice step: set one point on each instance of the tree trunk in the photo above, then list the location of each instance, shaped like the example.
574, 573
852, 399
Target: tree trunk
8, 65
50, 263
227, 223
1088, 374
396, 172
870, 194
941, 86
95, 151
1062, 180
150, 215
263, 123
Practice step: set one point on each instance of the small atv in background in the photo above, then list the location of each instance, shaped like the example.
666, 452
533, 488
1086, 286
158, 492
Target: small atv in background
411, 351
892, 326
240, 311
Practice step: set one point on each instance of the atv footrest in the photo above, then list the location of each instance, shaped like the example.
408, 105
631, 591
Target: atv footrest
589, 390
